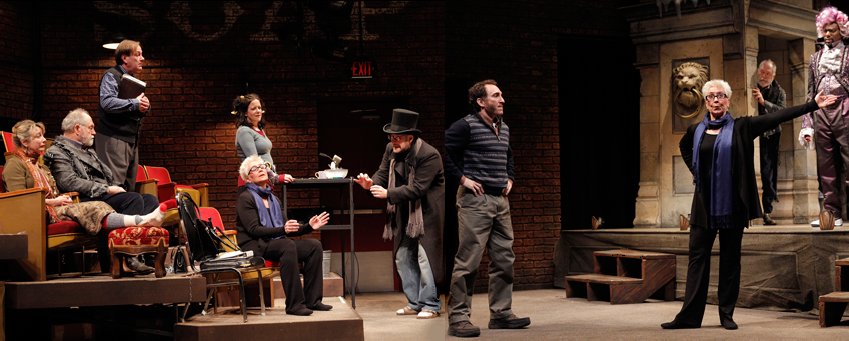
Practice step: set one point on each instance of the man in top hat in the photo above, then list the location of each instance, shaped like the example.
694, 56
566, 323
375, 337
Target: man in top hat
478, 154
412, 181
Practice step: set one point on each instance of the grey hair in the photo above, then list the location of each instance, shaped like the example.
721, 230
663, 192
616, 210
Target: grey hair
717, 82
769, 62
76, 116
245, 169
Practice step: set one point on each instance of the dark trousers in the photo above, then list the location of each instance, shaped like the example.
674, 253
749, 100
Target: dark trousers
121, 157
832, 144
290, 253
129, 203
698, 273
769, 170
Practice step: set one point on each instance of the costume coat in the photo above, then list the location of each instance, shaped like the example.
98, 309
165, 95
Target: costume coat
429, 187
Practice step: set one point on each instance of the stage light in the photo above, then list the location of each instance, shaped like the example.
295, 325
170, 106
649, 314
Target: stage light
112, 42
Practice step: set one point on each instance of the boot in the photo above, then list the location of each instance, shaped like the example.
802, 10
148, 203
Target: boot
768, 220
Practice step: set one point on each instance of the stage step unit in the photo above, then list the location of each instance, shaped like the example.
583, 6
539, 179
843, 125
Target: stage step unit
626, 276
833, 305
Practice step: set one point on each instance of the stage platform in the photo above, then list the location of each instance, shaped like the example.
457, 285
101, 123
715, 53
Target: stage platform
102, 290
341, 323
783, 267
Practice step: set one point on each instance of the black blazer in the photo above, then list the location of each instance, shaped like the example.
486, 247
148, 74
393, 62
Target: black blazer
747, 205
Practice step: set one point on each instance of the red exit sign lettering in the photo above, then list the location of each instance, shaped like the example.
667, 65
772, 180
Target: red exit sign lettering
362, 69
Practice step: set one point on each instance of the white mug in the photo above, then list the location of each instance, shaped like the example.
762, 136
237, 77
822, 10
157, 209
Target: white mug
321, 175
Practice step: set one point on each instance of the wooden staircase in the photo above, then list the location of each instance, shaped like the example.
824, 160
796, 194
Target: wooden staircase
626, 276
833, 305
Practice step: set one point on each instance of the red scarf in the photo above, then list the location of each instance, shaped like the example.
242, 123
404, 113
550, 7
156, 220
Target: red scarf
41, 178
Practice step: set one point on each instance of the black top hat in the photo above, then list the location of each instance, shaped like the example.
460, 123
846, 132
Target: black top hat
403, 122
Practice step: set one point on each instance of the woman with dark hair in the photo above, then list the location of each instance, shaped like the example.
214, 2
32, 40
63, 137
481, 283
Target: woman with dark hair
720, 154
251, 138
263, 229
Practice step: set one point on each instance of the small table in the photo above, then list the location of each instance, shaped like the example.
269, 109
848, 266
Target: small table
341, 184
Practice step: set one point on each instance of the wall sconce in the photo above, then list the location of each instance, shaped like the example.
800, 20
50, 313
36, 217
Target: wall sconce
112, 42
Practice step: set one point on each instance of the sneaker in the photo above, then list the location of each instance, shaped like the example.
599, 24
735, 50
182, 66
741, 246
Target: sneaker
406, 311
463, 329
838, 222
510, 322
816, 223
427, 314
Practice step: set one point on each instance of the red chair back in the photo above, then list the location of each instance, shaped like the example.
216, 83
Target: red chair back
141, 175
7, 141
211, 212
159, 173
2, 183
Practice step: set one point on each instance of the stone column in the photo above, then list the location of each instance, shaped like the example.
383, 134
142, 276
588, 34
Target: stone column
805, 186
648, 200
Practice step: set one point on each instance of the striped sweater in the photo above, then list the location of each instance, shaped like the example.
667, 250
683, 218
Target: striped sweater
473, 150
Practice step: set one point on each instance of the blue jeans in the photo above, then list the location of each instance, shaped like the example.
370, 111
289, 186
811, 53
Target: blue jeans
416, 275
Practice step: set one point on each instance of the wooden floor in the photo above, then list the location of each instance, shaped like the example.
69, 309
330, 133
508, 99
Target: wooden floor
341, 323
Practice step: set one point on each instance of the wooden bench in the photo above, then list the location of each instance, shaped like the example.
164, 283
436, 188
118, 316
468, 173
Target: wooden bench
833, 305
626, 276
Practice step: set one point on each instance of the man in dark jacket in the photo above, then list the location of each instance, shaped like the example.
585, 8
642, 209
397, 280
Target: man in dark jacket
412, 181
770, 97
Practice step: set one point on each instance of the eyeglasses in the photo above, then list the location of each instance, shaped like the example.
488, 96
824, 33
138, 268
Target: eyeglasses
263, 166
712, 97
396, 138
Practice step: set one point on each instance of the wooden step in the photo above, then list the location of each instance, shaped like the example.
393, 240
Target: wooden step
603, 279
626, 276
627, 253
841, 275
832, 306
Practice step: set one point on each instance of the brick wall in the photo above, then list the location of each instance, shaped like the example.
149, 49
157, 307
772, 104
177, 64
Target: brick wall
17, 66
200, 56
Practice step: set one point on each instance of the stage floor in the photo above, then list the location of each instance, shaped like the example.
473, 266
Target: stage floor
784, 266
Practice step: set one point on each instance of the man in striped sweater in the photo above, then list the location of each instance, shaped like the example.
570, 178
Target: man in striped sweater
478, 154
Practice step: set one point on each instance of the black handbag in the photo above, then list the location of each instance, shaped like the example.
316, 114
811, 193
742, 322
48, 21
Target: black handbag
203, 242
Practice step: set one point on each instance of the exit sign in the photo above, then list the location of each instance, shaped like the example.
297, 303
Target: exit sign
362, 69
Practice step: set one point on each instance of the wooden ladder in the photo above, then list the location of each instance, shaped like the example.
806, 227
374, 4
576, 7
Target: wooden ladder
833, 305
626, 276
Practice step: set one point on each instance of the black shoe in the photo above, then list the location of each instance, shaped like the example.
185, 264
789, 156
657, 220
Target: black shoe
300, 311
463, 329
768, 220
321, 307
140, 268
728, 323
510, 322
674, 324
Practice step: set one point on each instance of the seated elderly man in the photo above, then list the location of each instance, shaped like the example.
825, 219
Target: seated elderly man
76, 168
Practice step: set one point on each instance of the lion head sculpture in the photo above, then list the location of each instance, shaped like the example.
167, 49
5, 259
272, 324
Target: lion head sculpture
687, 81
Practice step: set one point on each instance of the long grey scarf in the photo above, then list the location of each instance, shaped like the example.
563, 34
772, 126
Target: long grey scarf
415, 222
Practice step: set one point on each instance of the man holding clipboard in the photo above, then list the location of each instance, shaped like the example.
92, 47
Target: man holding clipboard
121, 109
